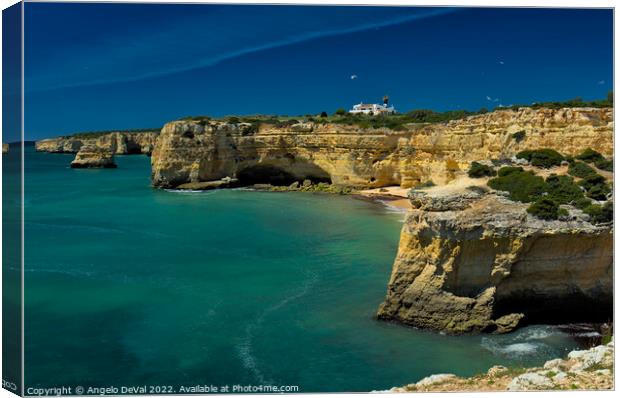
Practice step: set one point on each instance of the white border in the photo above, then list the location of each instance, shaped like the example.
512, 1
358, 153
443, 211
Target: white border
480, 3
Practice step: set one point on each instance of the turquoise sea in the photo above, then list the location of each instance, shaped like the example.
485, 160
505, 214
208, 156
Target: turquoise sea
127, 285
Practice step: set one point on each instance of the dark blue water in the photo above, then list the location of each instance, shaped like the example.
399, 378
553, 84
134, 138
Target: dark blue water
128, 285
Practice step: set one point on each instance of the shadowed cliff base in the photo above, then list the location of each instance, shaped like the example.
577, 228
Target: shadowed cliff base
574, 307
278, 176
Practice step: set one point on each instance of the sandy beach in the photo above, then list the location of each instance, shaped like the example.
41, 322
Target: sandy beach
394, 196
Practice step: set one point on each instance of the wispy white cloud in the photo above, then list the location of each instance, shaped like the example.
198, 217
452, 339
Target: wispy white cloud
199, 42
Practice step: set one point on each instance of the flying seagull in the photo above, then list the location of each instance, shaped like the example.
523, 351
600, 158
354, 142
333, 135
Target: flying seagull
353, 77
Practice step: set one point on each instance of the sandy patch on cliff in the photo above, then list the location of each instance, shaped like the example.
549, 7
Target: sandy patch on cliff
393, 196
386, 191
459, 184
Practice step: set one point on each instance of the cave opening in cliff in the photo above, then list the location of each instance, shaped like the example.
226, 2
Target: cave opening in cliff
279, 176
133, 149
572, 307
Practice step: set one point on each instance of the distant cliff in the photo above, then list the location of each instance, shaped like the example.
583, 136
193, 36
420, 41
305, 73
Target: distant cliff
121, 143
197, 151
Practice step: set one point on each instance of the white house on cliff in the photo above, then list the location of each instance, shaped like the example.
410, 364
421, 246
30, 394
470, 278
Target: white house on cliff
373, 109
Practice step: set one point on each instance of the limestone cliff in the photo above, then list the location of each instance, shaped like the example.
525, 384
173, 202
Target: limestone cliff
121, 143
441, 149
5, 148
89, 157
192, 152
197, 151
475, 261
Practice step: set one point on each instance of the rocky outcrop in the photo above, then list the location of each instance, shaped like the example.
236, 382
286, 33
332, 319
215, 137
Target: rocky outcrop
5, 148
192, 151
225, 182
470, 261
120, 143
581, 370
93, 157
197, 151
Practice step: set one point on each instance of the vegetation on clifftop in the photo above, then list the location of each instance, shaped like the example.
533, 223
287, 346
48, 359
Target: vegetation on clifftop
522, 186
577, 102
591, 156
97, 134
398, 121
544, 158
547, 195
478, 170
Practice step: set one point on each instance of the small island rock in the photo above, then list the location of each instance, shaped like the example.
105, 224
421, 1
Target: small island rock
93, 157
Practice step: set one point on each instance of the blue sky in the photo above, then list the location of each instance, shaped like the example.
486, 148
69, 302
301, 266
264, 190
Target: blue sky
108, 66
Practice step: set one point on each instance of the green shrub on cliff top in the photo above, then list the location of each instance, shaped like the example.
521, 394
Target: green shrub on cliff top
518, 136
582, 203
593, 180
581, 170
589, 155
477, 170
545, 209
544, 158
563, 190
604, 164
523, 186
600, 214
504, 171
599, 192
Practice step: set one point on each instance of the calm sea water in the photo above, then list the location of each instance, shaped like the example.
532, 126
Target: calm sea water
128, 285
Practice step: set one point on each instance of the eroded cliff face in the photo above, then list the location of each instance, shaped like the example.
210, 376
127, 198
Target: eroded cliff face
344, 155
192, 151
441, 150
478, 262
121, 143
93, 157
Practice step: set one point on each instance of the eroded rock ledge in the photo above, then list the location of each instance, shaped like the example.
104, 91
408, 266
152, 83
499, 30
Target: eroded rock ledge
581, 370
92, 157
471, 261
120, 143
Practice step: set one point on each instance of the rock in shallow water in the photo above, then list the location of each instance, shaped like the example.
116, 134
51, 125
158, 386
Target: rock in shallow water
93, 157
208, 185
